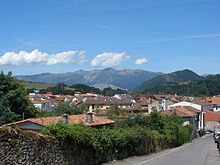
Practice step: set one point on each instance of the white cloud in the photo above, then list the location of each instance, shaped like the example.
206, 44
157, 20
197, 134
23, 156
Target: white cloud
36, 56
104, 27
109, 59
141, 61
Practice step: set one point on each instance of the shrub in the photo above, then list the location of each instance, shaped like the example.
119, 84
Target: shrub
132, 136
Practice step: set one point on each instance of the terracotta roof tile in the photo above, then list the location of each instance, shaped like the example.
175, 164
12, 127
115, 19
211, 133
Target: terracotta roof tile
72, 119
181, 111
40, 101
213, 100
212, 116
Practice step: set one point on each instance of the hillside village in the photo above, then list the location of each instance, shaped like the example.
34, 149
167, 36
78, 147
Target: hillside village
203, 113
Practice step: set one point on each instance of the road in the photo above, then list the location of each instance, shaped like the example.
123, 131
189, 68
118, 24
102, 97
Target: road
202, 151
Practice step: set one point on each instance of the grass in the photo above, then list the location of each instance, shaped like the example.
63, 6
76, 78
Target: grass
35, 85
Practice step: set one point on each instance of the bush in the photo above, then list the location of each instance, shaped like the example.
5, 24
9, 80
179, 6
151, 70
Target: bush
130, 137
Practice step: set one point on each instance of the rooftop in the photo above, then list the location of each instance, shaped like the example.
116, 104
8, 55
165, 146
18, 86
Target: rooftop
72, 119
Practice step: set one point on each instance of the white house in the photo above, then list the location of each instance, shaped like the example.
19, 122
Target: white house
44, 105
197, 105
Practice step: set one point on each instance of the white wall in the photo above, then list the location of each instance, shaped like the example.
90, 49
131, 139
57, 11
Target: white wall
185, 103
44, 106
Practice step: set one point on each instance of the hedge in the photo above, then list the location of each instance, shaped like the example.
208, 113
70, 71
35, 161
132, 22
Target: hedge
110, 144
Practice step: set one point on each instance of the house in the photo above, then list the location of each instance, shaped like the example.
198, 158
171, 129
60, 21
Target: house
137, 108
45, 105
143, 103
188, 114
212, 120
165, 103
103, 103
37, 124
215, 100
154, 104
197, 103
42, 102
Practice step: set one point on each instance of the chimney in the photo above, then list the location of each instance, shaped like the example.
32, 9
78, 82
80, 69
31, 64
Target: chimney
65, 118
89, 117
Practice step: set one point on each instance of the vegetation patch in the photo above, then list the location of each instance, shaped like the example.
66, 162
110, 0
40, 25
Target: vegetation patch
136, 135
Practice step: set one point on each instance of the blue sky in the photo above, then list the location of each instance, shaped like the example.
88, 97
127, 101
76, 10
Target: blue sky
66, 35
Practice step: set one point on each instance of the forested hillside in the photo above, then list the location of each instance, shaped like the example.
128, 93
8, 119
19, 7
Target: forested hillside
208, 87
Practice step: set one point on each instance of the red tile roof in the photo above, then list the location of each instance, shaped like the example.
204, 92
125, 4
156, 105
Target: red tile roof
72, 119
214, 100
212, 116
182, 112
40, 101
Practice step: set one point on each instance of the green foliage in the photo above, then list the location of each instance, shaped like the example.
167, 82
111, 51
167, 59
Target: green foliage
111, 92
63, 108
85, 89
155, 121
115, 112
36, 85
6, 116
59, 130
136, 135
13, 100
208, 87
59, 89
171, 78
132, 120
169, 128
88, 89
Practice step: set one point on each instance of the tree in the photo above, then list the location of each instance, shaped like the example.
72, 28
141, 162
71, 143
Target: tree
110, 92
6, 116
116, 112
155, 121
14, 103
63, 108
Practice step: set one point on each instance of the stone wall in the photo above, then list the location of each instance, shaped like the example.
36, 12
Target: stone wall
30, 148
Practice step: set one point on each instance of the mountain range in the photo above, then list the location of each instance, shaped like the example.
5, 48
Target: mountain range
129, 79
125, 79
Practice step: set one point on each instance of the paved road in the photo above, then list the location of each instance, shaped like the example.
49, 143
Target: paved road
203, 151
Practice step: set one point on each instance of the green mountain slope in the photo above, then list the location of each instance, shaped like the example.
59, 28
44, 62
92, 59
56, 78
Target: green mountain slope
209, 86
183, 76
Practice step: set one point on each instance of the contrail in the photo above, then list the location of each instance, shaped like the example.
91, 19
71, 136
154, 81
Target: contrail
182, 38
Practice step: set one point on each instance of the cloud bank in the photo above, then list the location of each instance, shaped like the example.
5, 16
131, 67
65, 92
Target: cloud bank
109, 59
141, 61
38, 57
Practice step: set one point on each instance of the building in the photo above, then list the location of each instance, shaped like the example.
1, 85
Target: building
37, 124
212, 120
215, 100
103, 103
200, 105
189, 115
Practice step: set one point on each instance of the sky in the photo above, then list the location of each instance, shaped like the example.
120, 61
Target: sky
56, 36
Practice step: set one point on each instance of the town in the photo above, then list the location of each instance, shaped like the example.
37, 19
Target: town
203, 112
82, 118
109, 82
